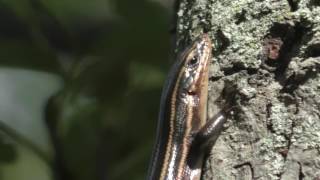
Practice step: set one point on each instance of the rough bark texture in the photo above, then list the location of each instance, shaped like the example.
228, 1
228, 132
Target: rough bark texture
267, 58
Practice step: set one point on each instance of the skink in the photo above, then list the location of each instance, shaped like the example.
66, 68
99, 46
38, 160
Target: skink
183, 132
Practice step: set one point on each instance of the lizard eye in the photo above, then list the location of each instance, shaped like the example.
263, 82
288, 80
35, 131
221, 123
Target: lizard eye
194, 61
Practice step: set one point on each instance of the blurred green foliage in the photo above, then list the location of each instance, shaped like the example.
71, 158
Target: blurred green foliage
80, 84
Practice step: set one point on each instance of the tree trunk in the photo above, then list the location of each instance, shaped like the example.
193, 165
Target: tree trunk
266, 57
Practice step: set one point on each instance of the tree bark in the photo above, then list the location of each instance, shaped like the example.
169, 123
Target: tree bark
266, 57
